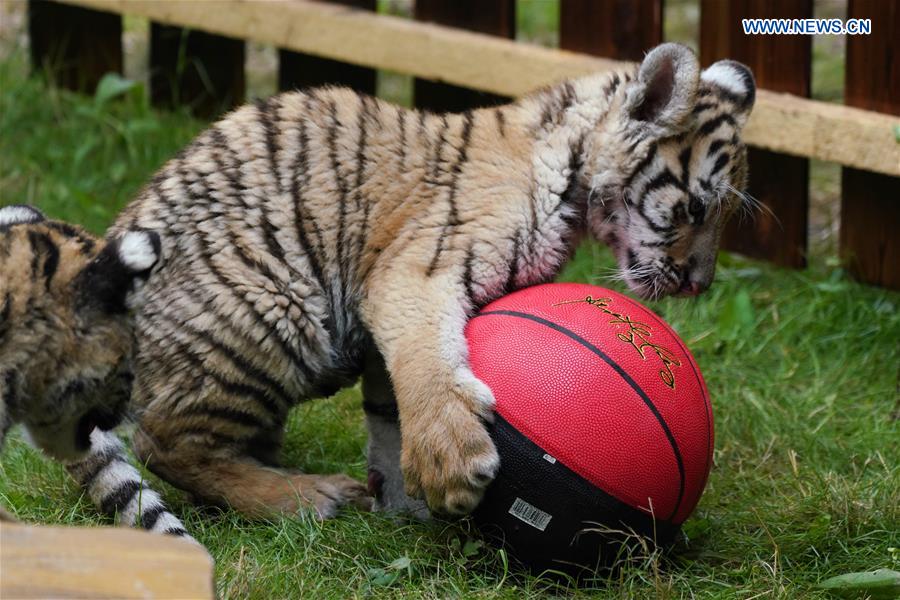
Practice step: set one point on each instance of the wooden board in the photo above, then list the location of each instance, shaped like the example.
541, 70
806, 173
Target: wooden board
74, 46
781, 183
621, 29
297, 70
780, 122
870, 204
100, 562
497, 17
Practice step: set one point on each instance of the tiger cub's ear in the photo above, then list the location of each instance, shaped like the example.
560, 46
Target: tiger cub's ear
664, 93
111, 280
735, 82
19, 214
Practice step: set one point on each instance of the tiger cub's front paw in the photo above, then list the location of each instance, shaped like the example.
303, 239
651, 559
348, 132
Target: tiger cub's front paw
448, 456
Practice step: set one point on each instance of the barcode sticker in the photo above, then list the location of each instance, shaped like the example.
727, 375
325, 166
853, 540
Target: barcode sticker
530, 514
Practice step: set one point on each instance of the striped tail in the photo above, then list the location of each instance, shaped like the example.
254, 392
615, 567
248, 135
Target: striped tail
119, 490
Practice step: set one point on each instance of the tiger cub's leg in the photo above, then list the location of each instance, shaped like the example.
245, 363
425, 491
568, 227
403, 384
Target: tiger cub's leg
217, 435
119, 490
382, 422
447, 455
218, 476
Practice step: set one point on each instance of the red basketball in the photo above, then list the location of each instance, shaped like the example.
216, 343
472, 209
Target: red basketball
603, 422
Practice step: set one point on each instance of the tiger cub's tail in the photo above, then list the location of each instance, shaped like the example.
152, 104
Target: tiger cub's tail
118, 489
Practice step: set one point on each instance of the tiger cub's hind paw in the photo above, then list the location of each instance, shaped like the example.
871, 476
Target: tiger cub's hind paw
326, 494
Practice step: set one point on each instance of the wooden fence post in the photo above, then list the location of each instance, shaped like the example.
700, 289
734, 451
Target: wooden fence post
870, 203
201, 70
497, 17
75, 46
620, 29
781, 63
296, 70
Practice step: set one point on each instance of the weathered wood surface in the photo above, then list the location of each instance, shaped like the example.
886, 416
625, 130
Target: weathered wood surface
298, 71
780, 122
100, 562
621, 29
497, 17
870, 204
781, 183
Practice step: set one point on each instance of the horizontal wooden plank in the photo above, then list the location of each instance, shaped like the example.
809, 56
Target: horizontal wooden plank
422, 49
831, 132
100, 562
780, 122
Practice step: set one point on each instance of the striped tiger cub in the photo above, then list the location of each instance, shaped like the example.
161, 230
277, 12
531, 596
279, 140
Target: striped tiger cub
65, 342
316, 235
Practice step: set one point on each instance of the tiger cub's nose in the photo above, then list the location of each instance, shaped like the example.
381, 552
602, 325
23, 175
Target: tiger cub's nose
690, 288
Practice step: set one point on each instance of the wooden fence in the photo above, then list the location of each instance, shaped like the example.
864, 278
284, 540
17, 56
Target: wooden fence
344, 41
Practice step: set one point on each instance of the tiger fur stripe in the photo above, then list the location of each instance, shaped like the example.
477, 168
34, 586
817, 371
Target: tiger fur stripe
65, 349
303, 233
118, 488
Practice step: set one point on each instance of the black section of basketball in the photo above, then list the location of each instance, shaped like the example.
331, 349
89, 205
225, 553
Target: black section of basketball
582, 532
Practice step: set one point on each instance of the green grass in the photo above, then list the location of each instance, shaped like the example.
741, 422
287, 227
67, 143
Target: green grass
802, 368
80, 158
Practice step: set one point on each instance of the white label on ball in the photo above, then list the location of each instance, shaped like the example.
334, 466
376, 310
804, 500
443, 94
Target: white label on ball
550, 459
530, 514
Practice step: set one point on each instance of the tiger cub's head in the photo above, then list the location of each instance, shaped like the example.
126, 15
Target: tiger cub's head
669, 170
65, 332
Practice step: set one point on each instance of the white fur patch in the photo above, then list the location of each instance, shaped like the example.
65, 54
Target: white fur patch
479, 391
29, 439
104, 441
110, 479
166, 521
19, 214
136, 251
726, 76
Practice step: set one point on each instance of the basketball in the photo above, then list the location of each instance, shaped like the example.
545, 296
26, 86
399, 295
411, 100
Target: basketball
602, 422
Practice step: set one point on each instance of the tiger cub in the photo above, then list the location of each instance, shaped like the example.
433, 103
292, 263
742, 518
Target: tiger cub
65, 343
319, 234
